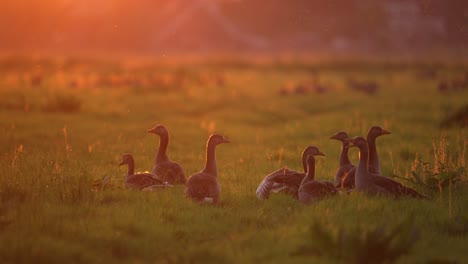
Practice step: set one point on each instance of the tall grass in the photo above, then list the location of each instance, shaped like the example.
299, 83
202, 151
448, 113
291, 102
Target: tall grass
61, 193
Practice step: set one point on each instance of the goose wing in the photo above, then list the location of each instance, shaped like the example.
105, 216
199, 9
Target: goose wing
292, 180
171, 172
316, 190
395, 187
142, 180
271, 184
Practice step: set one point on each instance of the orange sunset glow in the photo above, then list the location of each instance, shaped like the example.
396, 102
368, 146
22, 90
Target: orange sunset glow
234, 131
230, 25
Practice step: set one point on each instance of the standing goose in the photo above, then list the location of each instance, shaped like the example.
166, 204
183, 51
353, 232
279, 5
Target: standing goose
312, 190
203, 186
344, 177
283, 180
163, 167
372, 134
139, 180
373, 183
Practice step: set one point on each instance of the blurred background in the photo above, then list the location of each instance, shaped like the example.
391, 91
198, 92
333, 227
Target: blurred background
227, 26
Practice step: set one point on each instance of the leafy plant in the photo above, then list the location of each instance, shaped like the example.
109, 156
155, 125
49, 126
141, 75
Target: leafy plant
376, 245
424, 174
445, 169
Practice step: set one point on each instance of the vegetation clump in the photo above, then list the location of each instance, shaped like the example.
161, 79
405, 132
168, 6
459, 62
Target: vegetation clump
382, 244
61, 102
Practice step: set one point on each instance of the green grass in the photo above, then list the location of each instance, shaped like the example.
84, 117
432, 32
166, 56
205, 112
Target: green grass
51, 213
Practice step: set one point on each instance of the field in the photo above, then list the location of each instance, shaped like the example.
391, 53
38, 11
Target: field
66, 122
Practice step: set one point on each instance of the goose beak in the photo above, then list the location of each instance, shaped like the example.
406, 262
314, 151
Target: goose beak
333, 137
225, 140
385, 132
321, 153
152, 130
121, 163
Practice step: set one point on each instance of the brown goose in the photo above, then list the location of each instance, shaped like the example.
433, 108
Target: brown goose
344, 177
283, 180
163, 167
372, 134
312, 190
139, 180
203, 186
374, 183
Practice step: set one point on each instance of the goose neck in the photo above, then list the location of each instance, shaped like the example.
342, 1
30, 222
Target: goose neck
310, 174
363, 161
210, 166
131, 167
161, 153
344, 159
372, 147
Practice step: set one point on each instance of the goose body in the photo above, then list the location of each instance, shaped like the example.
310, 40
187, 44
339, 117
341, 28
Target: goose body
312, 190
344, 177
139, 180
166, 169
204, 186
373, 183
283, 180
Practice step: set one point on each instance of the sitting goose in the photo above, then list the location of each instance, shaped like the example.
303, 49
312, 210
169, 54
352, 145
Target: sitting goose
373, 183
139, 180
312, 190
163, 167
372, 134
293, 178
203, 186
344, 177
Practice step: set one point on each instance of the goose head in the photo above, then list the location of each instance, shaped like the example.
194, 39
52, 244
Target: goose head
126, 159
341, 136
376, 131
216, 139
312, 151
358, 142
158, 130
311, 158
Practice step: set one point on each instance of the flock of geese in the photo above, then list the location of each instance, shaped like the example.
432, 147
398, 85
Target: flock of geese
203, 186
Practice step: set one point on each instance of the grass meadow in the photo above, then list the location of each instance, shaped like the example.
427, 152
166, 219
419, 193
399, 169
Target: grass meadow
66, 122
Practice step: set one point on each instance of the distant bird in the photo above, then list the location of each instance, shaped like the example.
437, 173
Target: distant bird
344, 177
368, 87
164, 168
312, 190
203, 186
283, 180
139, 180
373, 183
372, 134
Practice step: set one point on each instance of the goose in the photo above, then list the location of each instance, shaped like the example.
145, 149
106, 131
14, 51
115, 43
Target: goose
203, 186
139, 180
166, 169
312, 190
372, 134
344, 177
292, 177
373, 183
